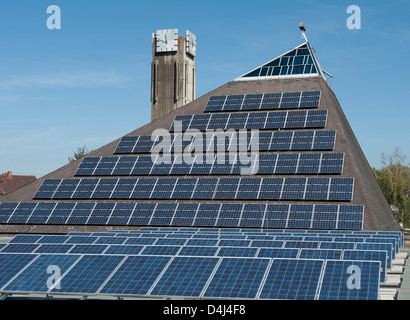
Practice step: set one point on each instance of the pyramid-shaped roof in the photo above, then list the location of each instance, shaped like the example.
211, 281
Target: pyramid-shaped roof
300, 123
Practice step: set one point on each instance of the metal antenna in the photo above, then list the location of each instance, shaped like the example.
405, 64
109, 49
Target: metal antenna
303, 29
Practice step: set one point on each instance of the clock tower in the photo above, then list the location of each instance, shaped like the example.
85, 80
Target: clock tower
173, 71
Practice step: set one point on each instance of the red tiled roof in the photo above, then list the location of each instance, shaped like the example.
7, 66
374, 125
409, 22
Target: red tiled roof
10, 183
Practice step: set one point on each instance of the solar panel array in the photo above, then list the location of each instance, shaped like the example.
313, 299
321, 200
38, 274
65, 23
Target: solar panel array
198, 263
326, 189
241, 236
256, 215
261, 101
298, 61
295, 163
267, 141
251, 120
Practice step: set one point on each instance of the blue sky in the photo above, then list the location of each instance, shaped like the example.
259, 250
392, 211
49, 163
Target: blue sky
89, 82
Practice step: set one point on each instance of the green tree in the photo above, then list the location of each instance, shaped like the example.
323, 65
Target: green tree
81, 152
394, 180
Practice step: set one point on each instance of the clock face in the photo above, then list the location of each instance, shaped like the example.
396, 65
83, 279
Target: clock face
167, 40
191, 43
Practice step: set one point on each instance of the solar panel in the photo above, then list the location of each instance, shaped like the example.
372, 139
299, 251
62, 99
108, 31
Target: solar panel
320, 254
88, 274
215, 103
198, 251
157, 250
287, 100
388, 247
135, 276
239, 244
258, 120
123, 249
281, 140
19, 248
22, 213
53, 248
278, 252
11, 265
34, 278
296, 62
25, 238
368, 255
233, 215
296, 279
88, 249
350, 280
185, 276
233, 278
223, 164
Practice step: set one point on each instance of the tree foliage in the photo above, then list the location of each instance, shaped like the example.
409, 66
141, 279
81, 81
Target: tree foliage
394, 180
81, 152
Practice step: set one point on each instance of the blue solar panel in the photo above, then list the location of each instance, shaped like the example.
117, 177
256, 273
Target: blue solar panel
53, 248
350, 280
35, 277
161, 250
136, 275
11, 264
295, 279
22, 213
223, 164
61, 213
278, 252
258, 120
273, 141
81, 239
320, 254
89, 248
237, 252
268, 243
88, 274
294, 63
19, 248
287, 100
233, 278
368, 255
110, 240
25, 238
202, 242
388, 247
185, 276
198, 251
301, 244
215, 103
336, 245
123, 249
140, 241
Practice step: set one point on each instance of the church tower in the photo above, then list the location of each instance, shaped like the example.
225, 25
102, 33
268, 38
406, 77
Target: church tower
173, 71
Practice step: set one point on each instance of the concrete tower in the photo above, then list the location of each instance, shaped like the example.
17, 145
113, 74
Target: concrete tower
173, 71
